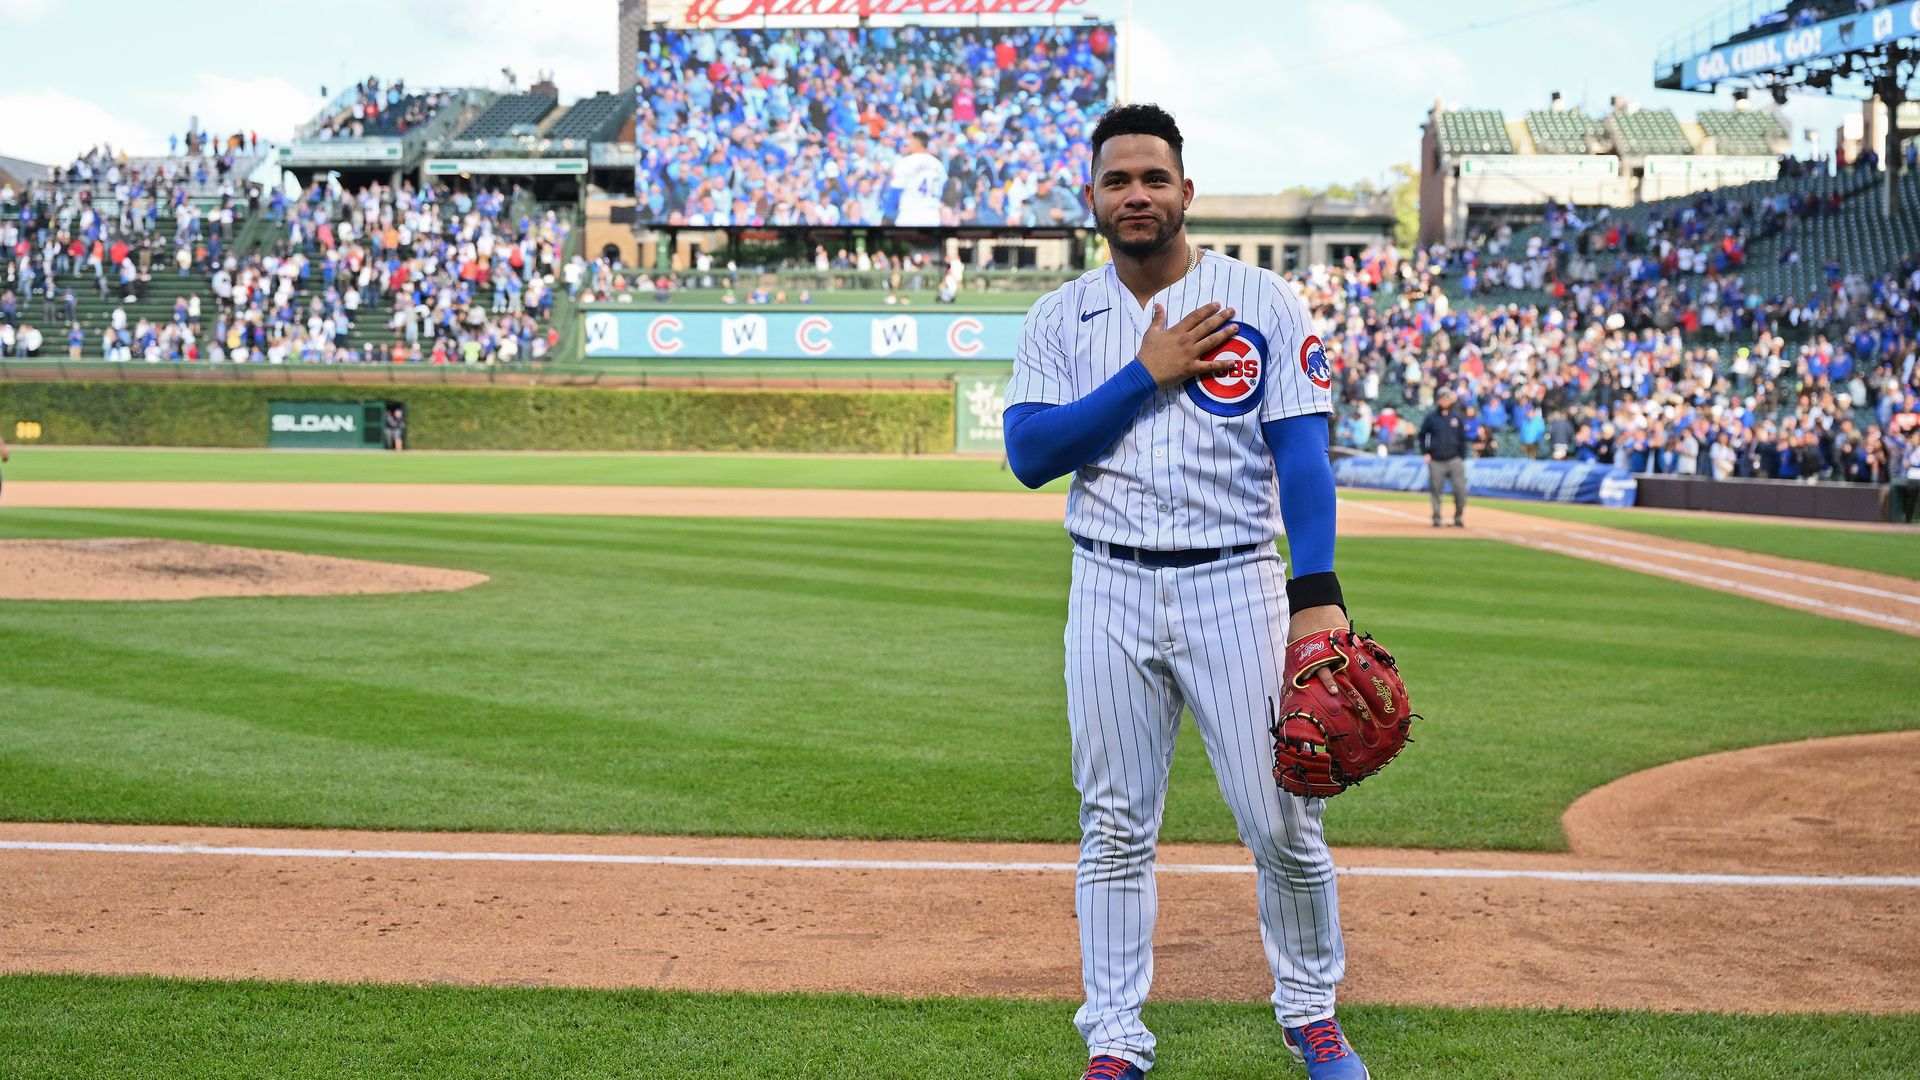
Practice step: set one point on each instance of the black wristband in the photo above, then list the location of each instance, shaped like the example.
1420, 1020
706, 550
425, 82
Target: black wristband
1314, 590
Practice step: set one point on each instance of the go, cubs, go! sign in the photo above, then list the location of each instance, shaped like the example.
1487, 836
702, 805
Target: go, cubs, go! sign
802, 335
1777, 52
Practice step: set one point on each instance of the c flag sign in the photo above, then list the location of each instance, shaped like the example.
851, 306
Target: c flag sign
663, 333
963, 337
811, 335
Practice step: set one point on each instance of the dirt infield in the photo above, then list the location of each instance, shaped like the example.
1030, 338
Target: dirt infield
709, 914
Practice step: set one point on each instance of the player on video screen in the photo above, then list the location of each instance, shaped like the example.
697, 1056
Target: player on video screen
913, 195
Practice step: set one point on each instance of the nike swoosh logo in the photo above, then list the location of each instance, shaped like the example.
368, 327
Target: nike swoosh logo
1084, 316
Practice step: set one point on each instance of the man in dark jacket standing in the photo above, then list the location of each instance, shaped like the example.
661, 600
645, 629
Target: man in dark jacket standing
1443, 441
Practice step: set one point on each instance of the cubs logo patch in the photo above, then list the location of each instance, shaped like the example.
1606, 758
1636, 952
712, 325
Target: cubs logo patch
1313, 361
1236, 392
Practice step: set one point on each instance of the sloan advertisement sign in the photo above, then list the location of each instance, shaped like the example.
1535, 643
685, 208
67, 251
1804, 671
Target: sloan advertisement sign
338, 425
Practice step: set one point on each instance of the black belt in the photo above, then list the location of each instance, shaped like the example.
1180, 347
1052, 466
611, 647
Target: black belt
1162, 559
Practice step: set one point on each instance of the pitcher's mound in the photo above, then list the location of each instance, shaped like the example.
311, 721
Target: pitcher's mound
146, 569
1840, 805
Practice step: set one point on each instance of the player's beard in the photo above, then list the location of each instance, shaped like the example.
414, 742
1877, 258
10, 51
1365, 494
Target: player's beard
1109, 229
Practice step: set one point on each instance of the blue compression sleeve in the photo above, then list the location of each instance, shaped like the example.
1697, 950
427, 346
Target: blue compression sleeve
1299, 446
1049, 441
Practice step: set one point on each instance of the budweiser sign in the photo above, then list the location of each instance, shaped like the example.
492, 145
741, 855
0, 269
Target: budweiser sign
699, 12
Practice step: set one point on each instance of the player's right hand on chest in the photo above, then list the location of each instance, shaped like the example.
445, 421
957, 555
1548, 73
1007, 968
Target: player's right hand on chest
1174, 354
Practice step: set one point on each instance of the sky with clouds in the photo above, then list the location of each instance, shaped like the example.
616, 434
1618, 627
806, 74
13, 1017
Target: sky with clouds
1270, 93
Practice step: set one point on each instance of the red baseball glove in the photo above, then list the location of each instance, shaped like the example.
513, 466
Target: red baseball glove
1325, 742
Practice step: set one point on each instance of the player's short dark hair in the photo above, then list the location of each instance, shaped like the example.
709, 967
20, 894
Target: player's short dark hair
925, 140
1140, 118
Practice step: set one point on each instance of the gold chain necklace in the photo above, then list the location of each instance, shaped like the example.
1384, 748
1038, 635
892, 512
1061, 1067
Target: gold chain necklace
1193, 259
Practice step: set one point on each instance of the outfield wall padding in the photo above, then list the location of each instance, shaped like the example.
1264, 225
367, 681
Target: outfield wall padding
1780, 498
496, 418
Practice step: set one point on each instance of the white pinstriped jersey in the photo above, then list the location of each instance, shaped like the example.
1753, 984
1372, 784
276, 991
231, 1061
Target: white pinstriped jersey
1191, 470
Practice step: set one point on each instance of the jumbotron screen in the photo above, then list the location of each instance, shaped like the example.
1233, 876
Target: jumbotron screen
913, 127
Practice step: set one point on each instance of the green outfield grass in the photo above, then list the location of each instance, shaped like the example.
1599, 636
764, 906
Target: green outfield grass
60, 1027
1881, 550
1887, 552
651, 470
820, 678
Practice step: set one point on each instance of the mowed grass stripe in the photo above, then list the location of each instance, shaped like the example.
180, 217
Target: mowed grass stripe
65, 1026
646, 470
824, 678
1884, 551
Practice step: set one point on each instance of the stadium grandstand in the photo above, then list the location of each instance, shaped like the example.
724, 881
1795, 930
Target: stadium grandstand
1478, 165
1673, 294
1562, 131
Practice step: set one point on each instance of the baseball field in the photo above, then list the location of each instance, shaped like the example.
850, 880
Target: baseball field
718, 767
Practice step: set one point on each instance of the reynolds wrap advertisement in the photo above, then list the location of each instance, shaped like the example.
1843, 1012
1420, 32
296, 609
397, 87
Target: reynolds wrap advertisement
803, 335
1499, 478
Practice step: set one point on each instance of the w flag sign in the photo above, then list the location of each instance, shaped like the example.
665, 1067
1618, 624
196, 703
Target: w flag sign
898, 334
745, 334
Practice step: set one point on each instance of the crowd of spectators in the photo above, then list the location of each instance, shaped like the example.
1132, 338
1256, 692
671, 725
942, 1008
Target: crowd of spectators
1588, 375
1684, 264
898, 275
452, 276
103, 226
373, 107
918, 126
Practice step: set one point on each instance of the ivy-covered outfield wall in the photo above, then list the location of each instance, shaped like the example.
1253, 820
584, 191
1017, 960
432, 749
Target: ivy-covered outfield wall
494, 418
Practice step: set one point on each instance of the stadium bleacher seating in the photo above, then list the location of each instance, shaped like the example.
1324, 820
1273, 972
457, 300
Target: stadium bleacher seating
594, 118
1648, 131
1474, 131
1747, 132
1859, 238
1563, 131
508, 112
370, 336
389, 121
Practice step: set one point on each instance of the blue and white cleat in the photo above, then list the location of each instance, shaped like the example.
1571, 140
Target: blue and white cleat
1112, 1068
1325, 1051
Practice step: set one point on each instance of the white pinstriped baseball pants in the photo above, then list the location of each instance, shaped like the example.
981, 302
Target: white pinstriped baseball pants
1142, 642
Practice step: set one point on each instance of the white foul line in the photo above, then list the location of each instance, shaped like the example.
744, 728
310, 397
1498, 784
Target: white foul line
1752, 568
1794, 599
1586, 876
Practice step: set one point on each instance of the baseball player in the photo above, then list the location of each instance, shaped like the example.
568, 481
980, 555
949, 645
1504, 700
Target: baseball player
914, 190
1190, 398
